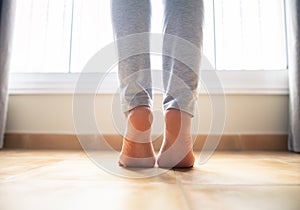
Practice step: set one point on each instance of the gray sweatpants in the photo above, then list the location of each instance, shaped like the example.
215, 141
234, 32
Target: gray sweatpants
182, 29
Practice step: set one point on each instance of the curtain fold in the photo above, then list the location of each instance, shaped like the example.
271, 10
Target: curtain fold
7, 13
293, 31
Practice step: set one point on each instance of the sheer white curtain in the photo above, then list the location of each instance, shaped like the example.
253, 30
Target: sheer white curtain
61, 35
42, 36
250, 34
293, 20
7, 12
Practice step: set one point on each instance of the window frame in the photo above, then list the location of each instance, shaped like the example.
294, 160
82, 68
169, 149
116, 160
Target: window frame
270, 82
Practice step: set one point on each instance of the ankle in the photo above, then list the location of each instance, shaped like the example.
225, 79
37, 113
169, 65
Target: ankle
177, 123
140, 117
138, 128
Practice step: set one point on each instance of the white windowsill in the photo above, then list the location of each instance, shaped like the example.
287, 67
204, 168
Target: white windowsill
269, 82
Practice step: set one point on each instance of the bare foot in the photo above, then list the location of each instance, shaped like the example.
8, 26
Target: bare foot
177, 148
137, 149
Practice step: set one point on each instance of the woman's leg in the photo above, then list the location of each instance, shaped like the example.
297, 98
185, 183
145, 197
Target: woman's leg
183, 22
131, 17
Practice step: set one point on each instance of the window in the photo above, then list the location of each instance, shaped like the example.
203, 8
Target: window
59, 36
41, 41
250, 34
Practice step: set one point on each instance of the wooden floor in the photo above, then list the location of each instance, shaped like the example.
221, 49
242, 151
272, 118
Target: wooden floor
69, 180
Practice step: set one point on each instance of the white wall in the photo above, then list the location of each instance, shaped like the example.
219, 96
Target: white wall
246, 114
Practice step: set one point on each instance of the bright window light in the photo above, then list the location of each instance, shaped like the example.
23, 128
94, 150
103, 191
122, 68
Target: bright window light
250, 34
41, 41
59, 36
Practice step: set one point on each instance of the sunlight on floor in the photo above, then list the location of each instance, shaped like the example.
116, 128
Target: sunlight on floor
70, 180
